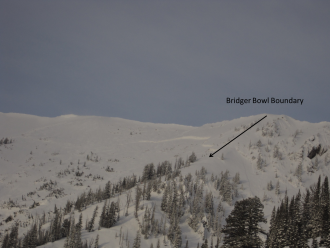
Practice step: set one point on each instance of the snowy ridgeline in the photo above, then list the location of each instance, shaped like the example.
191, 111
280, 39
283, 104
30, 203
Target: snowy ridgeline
56, 192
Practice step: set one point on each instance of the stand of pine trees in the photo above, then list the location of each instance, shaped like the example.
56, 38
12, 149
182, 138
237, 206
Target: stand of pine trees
58, 230
109, 215
301, 218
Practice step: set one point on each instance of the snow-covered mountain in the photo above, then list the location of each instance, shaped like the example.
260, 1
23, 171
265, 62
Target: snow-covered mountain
49, 161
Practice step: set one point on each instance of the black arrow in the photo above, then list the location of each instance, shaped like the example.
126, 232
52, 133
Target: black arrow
211, 154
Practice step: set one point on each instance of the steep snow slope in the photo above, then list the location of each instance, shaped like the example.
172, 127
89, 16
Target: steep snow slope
44, 148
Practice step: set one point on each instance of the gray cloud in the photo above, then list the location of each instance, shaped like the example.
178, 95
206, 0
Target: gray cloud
169, 62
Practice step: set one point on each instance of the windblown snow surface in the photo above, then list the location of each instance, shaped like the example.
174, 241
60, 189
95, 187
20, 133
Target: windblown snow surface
44, 147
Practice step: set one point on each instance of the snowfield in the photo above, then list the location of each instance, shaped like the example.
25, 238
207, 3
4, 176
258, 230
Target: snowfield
54, 160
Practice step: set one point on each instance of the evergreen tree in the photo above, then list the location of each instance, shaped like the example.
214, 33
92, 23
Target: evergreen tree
91, 222
260, 162
315, 244
305, 218
316, 214
96, 245
277, 188
148, 191
5, 241
137, 200
208, 204
77, 238
298, 231
103, 214
107, 191
71, 239
298, 172
137, 240
237, 178
33, 236
218, 243
282, 224
242, 226
325, 210
178, 238
13, 236
270, 186
163, 205
326, 243
272, 230
205, 245
227, 195
192, 158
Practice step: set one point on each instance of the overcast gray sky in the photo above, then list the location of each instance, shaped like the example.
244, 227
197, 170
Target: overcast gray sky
164, 61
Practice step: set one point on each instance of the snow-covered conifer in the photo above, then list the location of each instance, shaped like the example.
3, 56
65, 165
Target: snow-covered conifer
90, 225
137, 199
259, 144
236, 178
148, 191
178, 238
270, 186
242, 226
277, 188
77, 239
276, 153
12, 237
298, 172
208, 203
260, 162
137, 240
192, 158
325, 201
107, 190
316, 213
